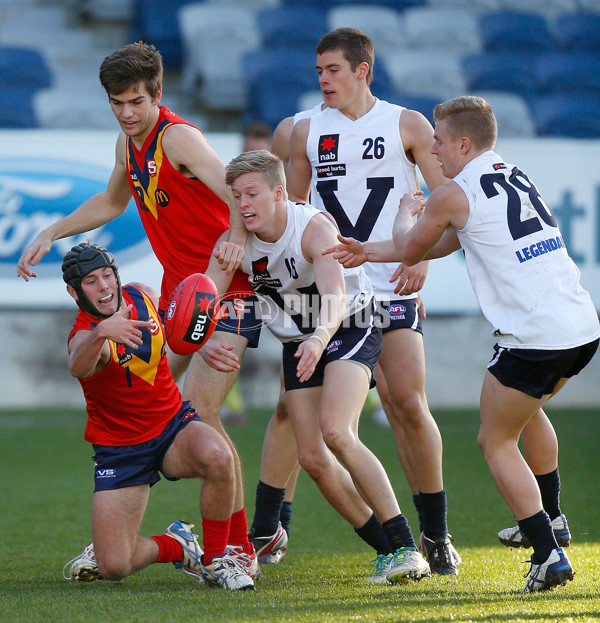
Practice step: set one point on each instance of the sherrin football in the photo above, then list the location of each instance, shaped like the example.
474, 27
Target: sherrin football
190, 318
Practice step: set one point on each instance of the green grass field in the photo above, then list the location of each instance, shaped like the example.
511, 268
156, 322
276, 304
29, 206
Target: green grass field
45, 498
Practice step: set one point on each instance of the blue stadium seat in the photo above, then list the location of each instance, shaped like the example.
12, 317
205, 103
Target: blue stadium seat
423, 103
568, 73
578, 32
501, 71
291, 25
23, 69
509, 31
155, 21
17, 109
572, 116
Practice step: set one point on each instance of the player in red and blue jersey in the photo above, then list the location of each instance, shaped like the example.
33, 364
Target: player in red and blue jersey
139, 426
178, 183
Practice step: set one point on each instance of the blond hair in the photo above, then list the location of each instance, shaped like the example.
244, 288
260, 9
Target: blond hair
469, 115
257, 161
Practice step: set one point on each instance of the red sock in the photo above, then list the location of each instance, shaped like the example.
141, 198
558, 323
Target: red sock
169, 550
238, 531
214, 538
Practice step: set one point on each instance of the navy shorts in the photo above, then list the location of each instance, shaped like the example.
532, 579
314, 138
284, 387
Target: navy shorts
354, 343
399, 314
537, 372
117, 467
238, 315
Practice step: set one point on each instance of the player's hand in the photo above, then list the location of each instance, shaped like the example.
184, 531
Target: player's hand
123, 330
309, 353
410, 278
230, 256
219, 356
413, 201
350, 253
32, 255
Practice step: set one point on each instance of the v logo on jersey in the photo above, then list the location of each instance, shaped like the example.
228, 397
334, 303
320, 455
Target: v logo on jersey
380, 189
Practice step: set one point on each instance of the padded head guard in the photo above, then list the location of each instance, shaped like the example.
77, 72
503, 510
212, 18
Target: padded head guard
81, 260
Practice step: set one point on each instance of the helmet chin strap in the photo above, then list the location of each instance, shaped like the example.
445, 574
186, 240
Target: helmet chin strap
84, 303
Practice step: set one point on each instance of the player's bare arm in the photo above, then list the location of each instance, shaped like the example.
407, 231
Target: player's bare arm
93, 213
432, 235
299, 170
89, 351
190, 153
280, 143
329, 279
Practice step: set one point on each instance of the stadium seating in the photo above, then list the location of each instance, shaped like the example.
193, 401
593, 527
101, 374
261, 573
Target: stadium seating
214, 45
383, 24
566, 115
17, 109
23, 69
501, 71
155, 21
546, 8
570, 73
578, 32
451, 29
508, 31
423, 103
296, 26
512, 114
426, 72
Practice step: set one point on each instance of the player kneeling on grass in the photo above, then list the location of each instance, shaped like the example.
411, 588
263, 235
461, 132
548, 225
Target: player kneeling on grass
324, 316
139, 426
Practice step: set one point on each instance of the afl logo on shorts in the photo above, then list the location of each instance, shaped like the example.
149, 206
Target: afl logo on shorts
333, 346
396, 311
162, 197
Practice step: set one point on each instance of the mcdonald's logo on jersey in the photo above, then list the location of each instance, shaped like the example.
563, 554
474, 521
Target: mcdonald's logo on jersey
161, 197
328, 147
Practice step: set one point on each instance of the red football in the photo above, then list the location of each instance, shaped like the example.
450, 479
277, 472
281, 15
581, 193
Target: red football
190, 318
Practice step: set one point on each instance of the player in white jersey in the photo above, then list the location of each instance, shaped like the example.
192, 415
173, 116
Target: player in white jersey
360, 154
325, 317
528, 288
274, 491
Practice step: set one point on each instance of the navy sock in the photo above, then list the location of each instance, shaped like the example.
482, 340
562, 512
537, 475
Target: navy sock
538, 530
398, 532
549, 485
417, 502
267, 509
372, 533
434, 514
285, 516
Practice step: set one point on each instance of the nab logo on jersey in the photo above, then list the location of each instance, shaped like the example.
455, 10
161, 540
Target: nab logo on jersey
328, 147
259, 267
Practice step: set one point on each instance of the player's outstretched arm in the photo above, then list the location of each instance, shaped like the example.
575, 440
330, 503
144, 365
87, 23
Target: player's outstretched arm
95, 212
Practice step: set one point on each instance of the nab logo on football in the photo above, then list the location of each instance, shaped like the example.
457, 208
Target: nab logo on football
328, 147
259, 267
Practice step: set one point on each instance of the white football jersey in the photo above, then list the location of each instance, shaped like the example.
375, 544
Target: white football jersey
285, 281
359, 173
526, 283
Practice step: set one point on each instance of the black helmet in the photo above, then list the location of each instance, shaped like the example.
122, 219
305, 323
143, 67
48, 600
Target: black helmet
81, 260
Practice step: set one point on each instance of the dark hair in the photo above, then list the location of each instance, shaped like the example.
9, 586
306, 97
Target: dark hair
81, 260
469, 115
130, 65
356, 47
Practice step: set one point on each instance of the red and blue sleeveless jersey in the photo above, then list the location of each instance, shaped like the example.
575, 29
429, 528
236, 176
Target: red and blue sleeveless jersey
183, 218
132, 399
